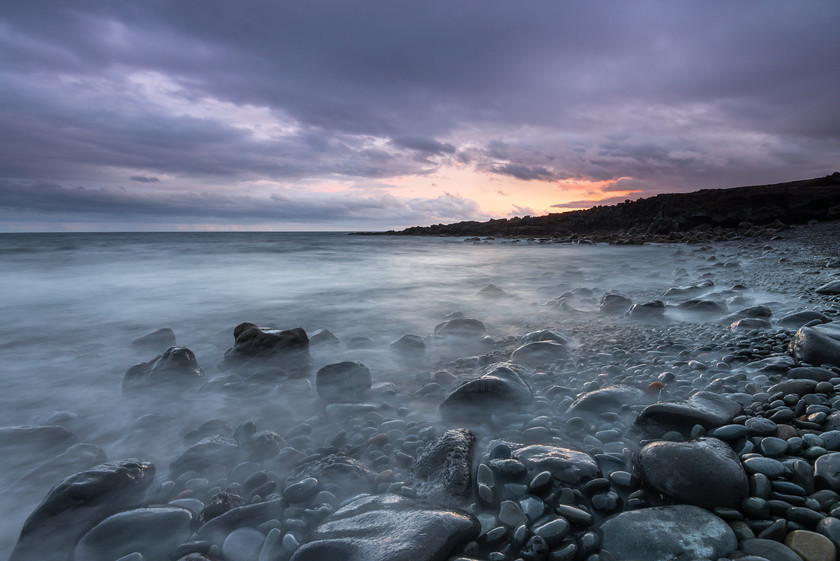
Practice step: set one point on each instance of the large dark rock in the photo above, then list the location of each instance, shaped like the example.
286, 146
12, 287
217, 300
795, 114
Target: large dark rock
702, 307
443, 469
256, 346
389, 528
343, 381
569, 467
611, 398
460, 328
206, 452
77, 504
544, 335
811, 373
756, 312
540, 352
152, 532
500, 386
176, 369
829, 288
703, 408
798, 319
614, 304
648, 311
769, 549
705, 472
817, 345
349, 475
668, 533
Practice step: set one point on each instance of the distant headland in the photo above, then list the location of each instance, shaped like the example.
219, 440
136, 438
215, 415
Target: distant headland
708, 214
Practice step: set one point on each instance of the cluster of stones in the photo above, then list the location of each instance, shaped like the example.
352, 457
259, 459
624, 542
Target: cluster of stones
698, 441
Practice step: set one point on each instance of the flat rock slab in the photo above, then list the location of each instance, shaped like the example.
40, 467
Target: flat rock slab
703, 408
611, 398
153, 532
389, 528
705, 472
667, 533
443, 470
817, 345
77, 504
566, 465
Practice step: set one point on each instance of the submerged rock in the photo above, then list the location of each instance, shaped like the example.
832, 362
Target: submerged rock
443, 469
409, 346
389, 528
255, 346
76, 458
705, 472
668, 533
460, 328
347, 474
649, 311
176, 369
77, 504
343, 381
158, 341
614, 304
206, 452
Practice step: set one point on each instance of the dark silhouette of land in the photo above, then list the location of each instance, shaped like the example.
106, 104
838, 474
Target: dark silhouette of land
705, 214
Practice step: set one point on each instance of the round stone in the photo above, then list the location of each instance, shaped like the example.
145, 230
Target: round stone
773, 447
811, 546
243, 544
766, 466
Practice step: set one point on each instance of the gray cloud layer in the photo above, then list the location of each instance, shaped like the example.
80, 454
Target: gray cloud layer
677, 96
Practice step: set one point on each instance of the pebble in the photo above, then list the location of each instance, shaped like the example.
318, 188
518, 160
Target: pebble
811, 546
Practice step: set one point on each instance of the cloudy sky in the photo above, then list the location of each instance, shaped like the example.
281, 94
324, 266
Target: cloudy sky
334, 115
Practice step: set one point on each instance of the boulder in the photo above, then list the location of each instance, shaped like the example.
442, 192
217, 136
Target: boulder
705, 472
256, 346
611, 398
829, 288
702, 307
343, 381
442, 470
668, 533
389, 528
493, 291
544, 335
703, 408
175, 370
77, 504
22, 446
755, 312
460, 328
349, 475
323, 337
153, 532
649, 311
409, 346
569, 467
247, 516
208, 451
540, 352
798, 319
811, 373
614, 304
817, 345
500, 386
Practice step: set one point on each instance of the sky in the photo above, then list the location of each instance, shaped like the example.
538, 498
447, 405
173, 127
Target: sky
122, 115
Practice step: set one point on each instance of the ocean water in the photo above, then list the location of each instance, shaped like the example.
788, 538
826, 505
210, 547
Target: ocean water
72, 303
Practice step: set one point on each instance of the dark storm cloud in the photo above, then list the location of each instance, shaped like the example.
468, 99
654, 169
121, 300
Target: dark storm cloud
676, 95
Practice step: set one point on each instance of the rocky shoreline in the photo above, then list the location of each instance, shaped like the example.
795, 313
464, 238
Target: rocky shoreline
702, 422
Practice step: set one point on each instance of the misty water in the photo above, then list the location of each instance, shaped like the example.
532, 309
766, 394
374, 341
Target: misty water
72, 304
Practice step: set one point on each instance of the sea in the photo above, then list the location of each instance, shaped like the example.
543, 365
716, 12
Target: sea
72, 303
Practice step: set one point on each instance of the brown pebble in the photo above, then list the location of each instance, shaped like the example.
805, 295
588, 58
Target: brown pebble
811, 546
186, 493
380, 439
655, 386
385, 476
786, 431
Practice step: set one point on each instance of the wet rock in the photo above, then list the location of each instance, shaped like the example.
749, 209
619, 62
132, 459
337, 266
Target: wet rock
343, 381
817, 345
243, 544
206, 452
219, 504
566, 465
389, 527
614, 304
255, 346
460, 328
540, 352
750, 323
705, 472
827, 471
769, 549
611, 398
799, 387
545, 335
443, 469
77, 504
152, 532
798, 319
702, 307
811, 373
19, 446
157, 341
76, 458
649, 311
348, 474
176, 369
493, 291
830, 528
703, 408
264, 445
246, 516
756, 312
829, 288
323, 337
409, 346
500, 386
811, 546
668, 533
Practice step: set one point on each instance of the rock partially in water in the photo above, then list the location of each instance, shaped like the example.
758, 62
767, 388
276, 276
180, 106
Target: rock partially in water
540, 352
705, 472
348, 474
21, 446
668, 533
702, 306
157, 341
153, 532
756, 312
76, 458
443, 470
388, 528
811, 373
703, 408
343, 381
649, 311
409, 346
611, 398
460, 328
817, 345
567, 466
77, 504
798, 319
176, 369
750, 323
323, 337
500, 386
493, 291
256, 346
614, 304
544, 335
829, 288
206, 452
246, 516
